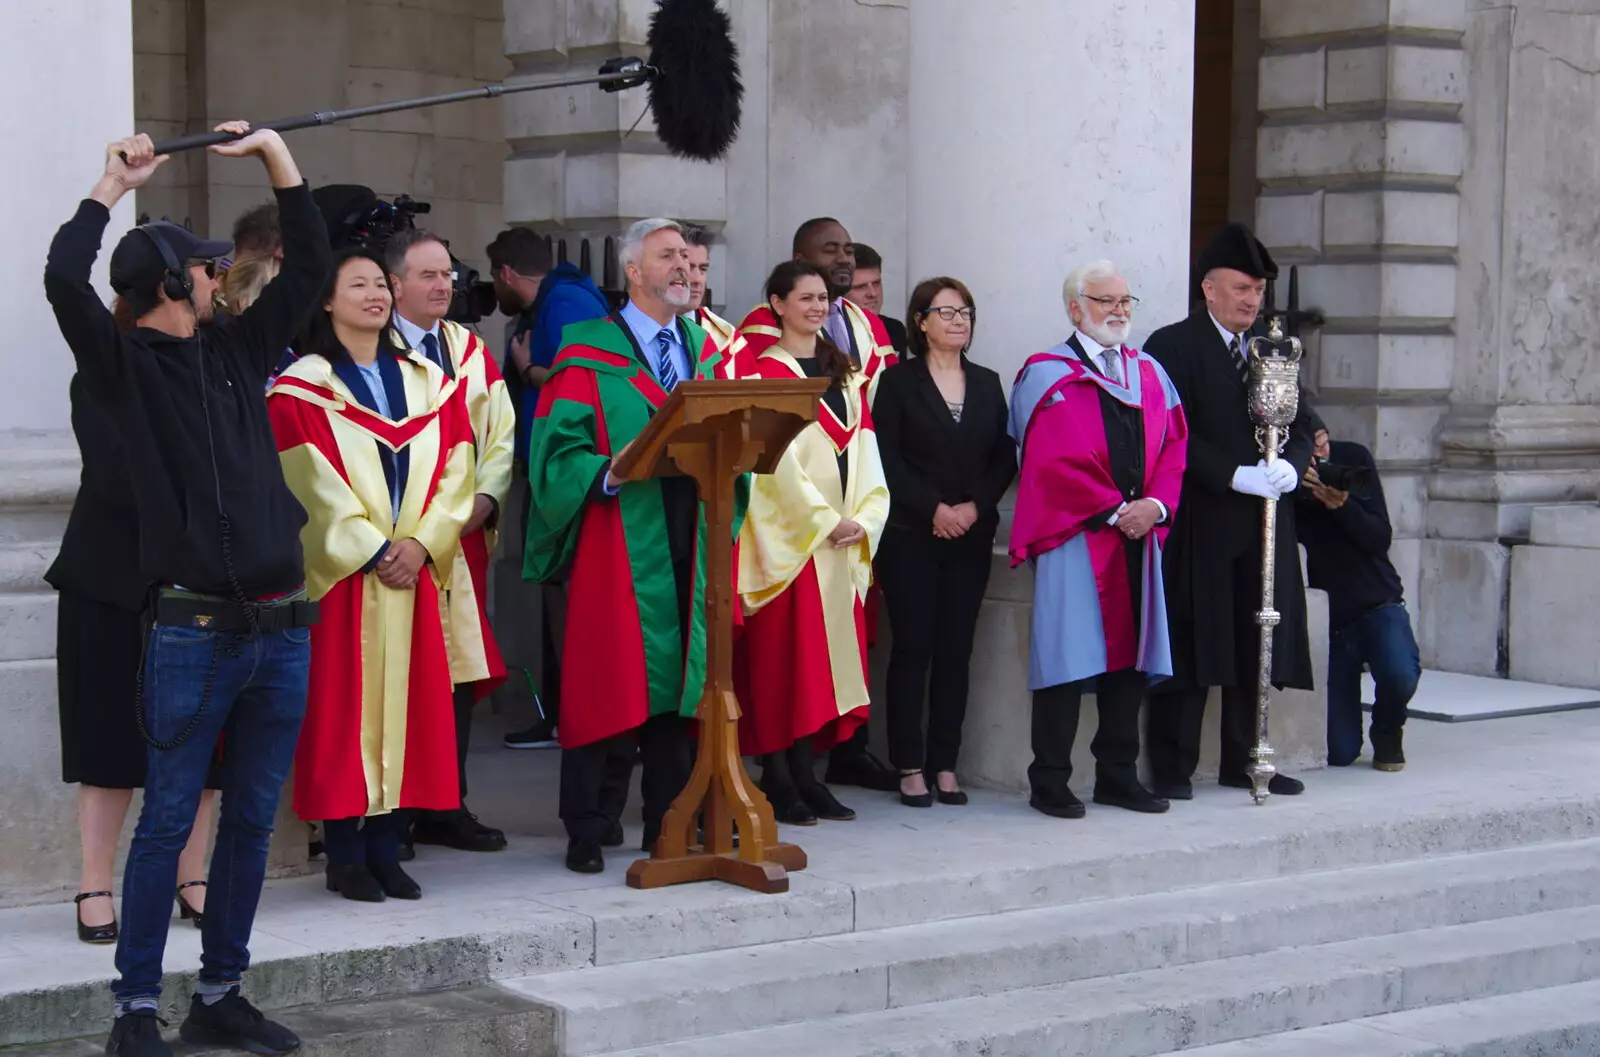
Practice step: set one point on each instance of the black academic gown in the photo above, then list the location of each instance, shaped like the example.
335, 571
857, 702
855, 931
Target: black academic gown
1216, 527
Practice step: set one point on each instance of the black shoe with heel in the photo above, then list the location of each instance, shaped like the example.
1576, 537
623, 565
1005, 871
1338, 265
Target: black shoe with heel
395, 882
187, 912
952, 797
94, 933
354, 881
922, 799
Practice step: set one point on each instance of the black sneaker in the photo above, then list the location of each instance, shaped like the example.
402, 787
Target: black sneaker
1388, 753
542, 735
458, 829
138, 1034
231, 1021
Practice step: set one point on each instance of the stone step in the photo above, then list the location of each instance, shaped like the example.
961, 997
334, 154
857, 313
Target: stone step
27, 626
645, 1003
1546, 1022
482, 1021
1180, 1007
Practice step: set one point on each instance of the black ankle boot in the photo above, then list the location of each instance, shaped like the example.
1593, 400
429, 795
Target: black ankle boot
354, 881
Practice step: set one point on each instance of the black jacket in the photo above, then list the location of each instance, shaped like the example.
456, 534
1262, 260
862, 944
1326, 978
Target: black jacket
929, 458
1347, 550
191, 412
1217, 527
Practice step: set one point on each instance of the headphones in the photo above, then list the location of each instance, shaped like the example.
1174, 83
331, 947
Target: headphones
176, 282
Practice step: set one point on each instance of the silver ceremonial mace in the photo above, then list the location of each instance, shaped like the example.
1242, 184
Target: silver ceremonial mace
1274, 394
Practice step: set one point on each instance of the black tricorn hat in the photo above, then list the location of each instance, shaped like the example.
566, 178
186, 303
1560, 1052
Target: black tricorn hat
1236, 247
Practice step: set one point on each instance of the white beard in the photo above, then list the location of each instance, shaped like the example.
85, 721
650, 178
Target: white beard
1109, 335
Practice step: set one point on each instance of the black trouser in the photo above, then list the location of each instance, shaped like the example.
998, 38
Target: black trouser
932, 589
1116, 742
1176, 716
465, 698
374, 839
590, 798
1175, 722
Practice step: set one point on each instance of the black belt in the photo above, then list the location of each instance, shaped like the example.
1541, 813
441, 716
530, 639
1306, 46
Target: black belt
208, 613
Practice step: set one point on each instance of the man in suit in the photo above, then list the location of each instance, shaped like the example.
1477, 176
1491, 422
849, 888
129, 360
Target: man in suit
867, 291
1103, 438
1213, 561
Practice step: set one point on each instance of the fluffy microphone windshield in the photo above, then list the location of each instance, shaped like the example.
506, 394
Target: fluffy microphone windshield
695, 91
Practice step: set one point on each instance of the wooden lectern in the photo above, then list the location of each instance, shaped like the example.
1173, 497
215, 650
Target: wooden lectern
713, 432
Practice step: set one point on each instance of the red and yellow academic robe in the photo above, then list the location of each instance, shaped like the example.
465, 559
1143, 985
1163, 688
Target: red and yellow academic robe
802, 666
870, 337
379, 732
474, 654
728, 340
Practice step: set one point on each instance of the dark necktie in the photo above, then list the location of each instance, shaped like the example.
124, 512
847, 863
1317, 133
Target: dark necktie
1240, 363
430, 349
667, 373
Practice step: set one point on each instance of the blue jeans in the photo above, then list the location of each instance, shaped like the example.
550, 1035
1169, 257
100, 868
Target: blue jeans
257, 699
1381, 640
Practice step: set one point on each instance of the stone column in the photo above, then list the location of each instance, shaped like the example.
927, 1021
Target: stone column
58, 140
1360, 156
1524, 430
1043, 137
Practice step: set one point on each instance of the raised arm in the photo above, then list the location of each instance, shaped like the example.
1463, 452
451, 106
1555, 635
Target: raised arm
85, 321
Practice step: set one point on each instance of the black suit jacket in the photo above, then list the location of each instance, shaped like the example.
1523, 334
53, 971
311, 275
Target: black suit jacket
929, 458
1216, 526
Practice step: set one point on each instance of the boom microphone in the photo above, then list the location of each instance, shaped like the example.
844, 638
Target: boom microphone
692, 73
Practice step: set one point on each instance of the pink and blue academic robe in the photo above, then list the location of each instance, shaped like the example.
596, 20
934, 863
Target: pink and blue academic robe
1085, 617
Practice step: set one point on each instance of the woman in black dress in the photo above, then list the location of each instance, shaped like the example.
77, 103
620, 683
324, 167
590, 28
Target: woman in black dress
98, 652
941, 422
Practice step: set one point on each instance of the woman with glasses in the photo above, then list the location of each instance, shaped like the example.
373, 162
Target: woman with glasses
941, 422
805, 562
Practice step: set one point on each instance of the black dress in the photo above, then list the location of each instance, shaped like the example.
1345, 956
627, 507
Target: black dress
99, 634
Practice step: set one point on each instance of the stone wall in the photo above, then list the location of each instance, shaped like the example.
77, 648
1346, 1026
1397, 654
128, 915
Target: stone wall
197, 62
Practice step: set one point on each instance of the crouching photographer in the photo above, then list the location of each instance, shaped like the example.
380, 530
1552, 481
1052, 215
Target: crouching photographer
228, 649
1344, 524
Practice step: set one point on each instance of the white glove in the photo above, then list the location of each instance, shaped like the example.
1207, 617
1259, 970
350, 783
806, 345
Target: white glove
1252, 480
1281, 476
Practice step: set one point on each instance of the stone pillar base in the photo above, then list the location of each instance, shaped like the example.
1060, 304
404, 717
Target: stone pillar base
995, 748
1554, 581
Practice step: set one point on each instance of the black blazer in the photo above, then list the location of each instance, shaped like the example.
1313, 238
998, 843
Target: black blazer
929, 458
99, 556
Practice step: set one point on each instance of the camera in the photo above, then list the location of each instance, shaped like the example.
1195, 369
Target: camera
1343, 478
356, 216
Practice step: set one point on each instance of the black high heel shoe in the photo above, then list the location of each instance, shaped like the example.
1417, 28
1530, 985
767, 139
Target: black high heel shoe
955, 798
922, 799
93, 933
187, 912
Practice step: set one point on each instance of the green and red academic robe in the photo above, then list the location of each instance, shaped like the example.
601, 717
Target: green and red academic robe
624, 659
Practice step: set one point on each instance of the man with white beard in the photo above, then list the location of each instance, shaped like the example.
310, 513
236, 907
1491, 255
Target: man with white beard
1103, 441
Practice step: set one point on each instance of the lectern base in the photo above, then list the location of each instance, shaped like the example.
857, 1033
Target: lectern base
770, 875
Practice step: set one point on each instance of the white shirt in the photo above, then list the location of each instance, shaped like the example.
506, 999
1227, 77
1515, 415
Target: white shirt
1103, 354
1228, 336
413, 334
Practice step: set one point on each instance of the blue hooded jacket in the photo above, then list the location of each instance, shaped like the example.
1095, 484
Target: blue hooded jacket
566, 296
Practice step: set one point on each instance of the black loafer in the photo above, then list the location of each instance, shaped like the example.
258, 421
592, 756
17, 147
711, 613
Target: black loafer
791, 809
1070, 807
1136, 799
584, 856
1278, 785
235, 1023
458, 829
395, 882
614, 837
354, 881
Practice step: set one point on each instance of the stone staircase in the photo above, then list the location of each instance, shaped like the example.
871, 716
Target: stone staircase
1469, 931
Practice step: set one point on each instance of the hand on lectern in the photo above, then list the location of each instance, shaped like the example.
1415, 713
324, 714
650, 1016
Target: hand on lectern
613, 482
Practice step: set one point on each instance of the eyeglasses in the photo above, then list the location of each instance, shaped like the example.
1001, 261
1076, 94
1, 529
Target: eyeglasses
948, 314
1122, 304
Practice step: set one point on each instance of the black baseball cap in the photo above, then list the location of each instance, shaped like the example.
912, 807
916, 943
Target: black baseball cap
137, 262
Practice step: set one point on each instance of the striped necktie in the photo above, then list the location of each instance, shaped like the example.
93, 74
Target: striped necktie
1112, 359
667, 373
1240, 363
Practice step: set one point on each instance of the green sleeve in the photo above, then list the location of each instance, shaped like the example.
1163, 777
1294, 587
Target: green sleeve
563, 463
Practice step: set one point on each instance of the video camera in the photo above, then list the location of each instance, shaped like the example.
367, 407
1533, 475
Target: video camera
356, 216
1343, 478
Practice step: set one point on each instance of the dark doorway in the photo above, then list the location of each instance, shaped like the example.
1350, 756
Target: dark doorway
1213, 149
